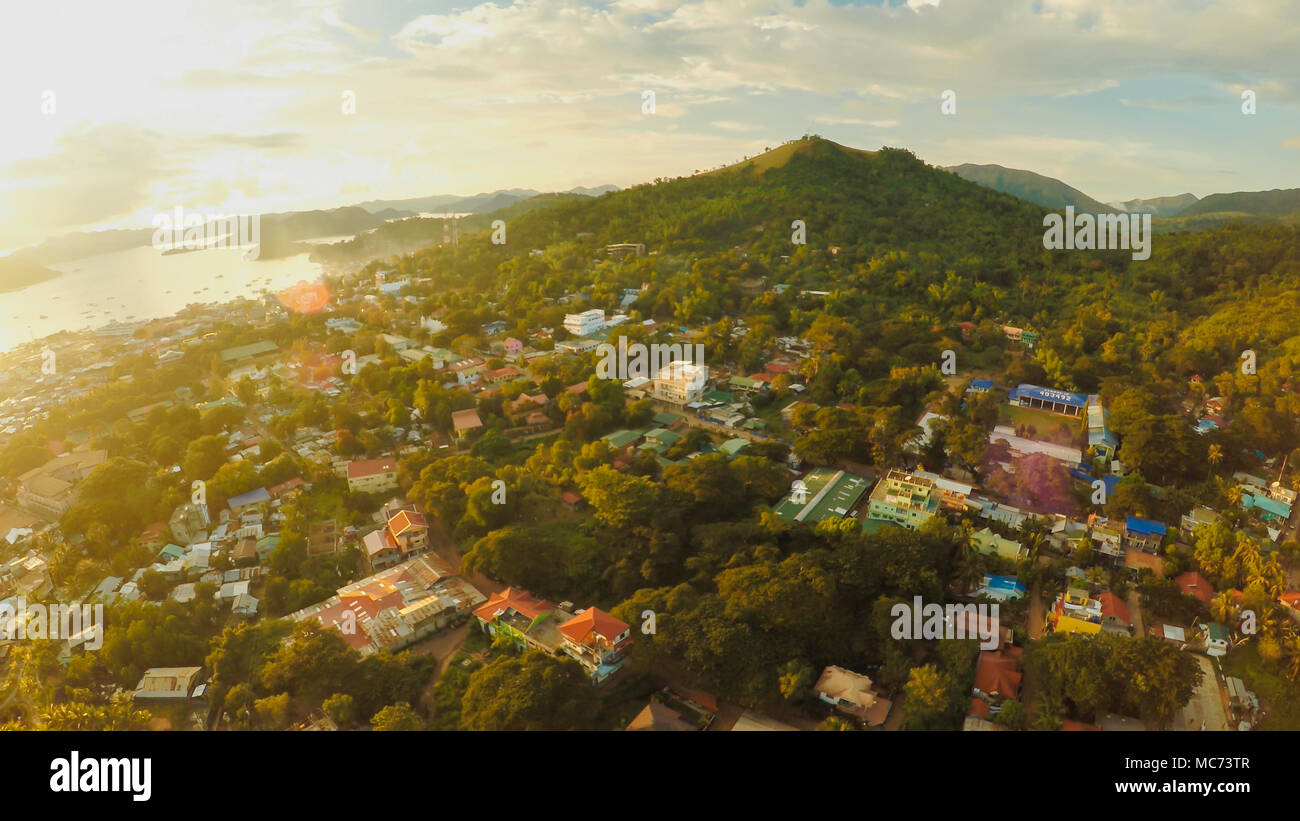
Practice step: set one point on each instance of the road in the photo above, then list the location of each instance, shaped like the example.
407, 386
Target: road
1206, 706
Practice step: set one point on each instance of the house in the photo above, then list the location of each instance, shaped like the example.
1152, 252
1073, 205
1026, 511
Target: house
853, 694
597, 641
267, 545
997, 680
244, 552
465, 422
980, 386
154, 536
396, 607
1115, 616
661, 718
50, 489
572, 500
523, 618
1076, 612
1144, 534
1197, 517
189, 523
405, 535
1195, 585
249, 499
1217, 641
513, 346
168, 684
372, 475
990, 543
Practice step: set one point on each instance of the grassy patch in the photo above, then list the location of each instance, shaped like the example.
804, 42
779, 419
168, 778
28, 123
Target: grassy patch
1277, 693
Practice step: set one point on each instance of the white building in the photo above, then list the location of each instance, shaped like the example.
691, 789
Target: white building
585, 323
681, 382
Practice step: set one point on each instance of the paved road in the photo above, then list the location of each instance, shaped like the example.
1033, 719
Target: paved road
1206, 707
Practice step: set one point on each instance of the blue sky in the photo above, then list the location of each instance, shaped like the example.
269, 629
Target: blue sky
236, 106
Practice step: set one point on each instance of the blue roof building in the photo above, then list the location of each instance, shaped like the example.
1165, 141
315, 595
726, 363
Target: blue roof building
980, 386
1145, 527
252, 497
1068, 403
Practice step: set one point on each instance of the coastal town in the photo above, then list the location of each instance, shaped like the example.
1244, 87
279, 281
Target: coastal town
373, 493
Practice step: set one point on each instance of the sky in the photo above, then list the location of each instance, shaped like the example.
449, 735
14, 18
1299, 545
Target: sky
118, 111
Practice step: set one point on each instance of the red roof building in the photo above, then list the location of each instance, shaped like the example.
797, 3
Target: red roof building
1192, 583
597, 641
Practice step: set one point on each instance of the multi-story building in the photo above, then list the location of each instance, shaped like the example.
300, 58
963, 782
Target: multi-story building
372, 476
396, 607
597, 641
524, 618
405, 536
904, 499
681, 382
49, 490
585, 323
1077, 612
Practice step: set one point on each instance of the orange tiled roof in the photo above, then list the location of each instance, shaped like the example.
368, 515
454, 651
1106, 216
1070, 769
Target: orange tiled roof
511, 598
593, 620
998, 671
405, 520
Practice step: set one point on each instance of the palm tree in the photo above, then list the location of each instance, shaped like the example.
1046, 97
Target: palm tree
1221, 607
1214, 456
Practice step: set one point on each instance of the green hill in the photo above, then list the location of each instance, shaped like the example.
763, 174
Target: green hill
1279, 202
1044, 191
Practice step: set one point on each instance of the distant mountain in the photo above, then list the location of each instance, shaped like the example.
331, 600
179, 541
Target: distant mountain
1158, 206
1279, 202
1040, 190
476, 204
16, 274
404, 236
83, 244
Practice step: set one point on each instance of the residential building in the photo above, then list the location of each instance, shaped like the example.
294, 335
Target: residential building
1076, 612
189, 523
997, 681
585, 323
49, 490
527, 620
405, 536
597, 641
168, 684
372, 475
396, 607
1144, 534
990, 543
681, 382
466, 422
904, 499
1217, 639
1197, 517
1195, 585
853, 694
661, 718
